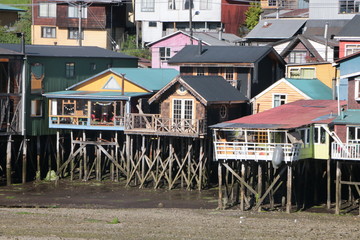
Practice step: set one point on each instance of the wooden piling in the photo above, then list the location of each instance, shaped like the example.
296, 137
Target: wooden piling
289, 187
328, 180
338, 188
8, 161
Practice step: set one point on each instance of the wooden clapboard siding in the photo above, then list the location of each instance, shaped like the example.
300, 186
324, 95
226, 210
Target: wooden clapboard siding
265, 101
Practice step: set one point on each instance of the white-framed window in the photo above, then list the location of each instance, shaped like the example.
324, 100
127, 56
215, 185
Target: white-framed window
272, 3
349, 6
48, 32
305, 136
47, 10
165, 53
351, 49
297, 57
73, 33
152, 24
73, 11
187, 4
302, 72
36, 108
147, 5
70, 70
357, 89
183, 108
353, 134
200, 71
205, 4
319, 135
279, 99
229, 76
223, 111
173, 4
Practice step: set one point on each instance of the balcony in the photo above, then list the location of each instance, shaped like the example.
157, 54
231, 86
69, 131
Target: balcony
254, 151
347, 151
154, 124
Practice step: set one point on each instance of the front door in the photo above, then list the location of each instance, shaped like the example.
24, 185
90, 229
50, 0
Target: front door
182, 114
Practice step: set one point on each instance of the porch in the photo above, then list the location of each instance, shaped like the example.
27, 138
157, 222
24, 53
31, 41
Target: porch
155, 124
254, 151
346, 151
86, 122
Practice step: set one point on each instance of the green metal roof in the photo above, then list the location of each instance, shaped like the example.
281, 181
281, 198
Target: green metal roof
350, 116
4, 7
314, 88
152, 79
93, 94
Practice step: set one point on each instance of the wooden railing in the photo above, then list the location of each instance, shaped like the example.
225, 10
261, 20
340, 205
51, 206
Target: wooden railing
254, 151
85, 120
154, 123
346, 151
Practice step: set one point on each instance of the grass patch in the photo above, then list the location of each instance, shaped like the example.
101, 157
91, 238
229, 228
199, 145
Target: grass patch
93, 220
114, 221
143, 199
10, 197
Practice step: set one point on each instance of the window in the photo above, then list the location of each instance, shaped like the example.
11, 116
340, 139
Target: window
165, 53
187, 4
357, 89
205, 4
70, 70
200, 71
182, 109
229, 76
152, 24
47, 9
272, 3
351, 48
48, 32
319, 135
353, 134
349, 6
305, 136
147, 5
36, 108
73, 11
223, 111
37, 75
279, 99
297, 57
173, 4
308, 73
73, 33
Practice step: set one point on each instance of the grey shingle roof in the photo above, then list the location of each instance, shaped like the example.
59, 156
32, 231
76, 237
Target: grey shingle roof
221, 54
213, 88
276, 28
351, 29
64, 51
316, 27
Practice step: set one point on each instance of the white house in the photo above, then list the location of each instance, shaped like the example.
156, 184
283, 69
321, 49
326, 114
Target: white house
333, 9
160, 18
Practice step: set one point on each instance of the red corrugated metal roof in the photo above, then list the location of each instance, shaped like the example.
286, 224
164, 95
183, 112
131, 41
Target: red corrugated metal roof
295, 114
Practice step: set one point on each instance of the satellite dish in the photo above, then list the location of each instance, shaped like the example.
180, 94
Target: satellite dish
278, 157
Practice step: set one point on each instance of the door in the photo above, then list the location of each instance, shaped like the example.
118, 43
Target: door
182, 114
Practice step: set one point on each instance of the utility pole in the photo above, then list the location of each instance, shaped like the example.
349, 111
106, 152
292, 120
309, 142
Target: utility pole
190, 21
80, 19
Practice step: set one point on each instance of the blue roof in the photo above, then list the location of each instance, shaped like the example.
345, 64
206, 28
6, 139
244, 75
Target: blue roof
93, 94
350, 116
10, 8
314, 88
151, 79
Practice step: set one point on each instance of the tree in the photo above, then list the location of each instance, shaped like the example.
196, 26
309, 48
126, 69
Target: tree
130, 47
22, 25
253, 15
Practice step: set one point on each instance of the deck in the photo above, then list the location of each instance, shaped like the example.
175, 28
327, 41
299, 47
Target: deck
154, 124
85, 122
254, 151
346, 151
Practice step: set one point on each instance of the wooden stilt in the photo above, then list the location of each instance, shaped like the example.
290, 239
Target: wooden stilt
85, 159
328, 180
338, 188
72, 161
57, 150
220, 199
38, 165
289, 187
24, 160
8, 161
242, 188
259, 185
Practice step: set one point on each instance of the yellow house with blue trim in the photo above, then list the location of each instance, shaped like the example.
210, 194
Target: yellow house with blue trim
102, 101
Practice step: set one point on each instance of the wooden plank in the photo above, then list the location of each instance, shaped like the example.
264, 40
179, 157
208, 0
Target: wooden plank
239, 178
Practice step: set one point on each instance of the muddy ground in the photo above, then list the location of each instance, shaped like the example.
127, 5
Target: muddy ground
95, 210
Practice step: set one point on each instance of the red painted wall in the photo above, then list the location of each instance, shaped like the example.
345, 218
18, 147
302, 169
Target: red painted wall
342, 45
340, 130
233, 15
352, 103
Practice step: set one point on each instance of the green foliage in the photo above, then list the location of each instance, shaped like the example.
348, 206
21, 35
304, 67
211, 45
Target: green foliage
129, 47
115, 221
22, 25
253, 15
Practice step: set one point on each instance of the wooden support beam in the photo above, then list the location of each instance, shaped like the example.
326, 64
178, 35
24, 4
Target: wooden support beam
259, 184
8, 161
38, 165
24, 160
239, 178
220, 199
338, 188
328, 181
289, 188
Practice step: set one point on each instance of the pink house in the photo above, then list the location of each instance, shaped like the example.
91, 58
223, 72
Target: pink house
165, 48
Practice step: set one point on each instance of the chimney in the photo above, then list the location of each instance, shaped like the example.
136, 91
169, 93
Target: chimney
200, 46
